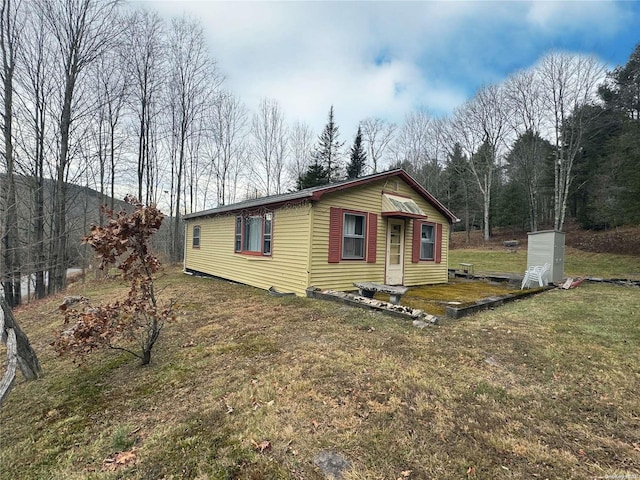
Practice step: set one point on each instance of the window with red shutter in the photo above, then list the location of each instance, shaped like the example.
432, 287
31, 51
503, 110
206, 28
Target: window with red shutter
353, 235
427, 242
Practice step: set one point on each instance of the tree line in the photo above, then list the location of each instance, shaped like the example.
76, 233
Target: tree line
557, 141
123, 101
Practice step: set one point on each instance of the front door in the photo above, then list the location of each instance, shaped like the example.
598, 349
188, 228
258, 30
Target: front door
395, 252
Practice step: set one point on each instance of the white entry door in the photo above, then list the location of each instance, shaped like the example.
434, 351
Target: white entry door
395, 252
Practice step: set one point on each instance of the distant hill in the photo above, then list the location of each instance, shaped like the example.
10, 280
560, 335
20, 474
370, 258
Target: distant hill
83, 210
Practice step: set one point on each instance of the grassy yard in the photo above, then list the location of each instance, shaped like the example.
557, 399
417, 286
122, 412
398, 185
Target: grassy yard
577, 262
541, 388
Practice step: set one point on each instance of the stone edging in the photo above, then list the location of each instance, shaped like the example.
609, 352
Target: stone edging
419, 317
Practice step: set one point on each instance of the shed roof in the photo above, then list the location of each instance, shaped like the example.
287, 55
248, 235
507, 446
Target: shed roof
315, 193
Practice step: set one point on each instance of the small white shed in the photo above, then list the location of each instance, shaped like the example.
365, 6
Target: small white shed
547, 247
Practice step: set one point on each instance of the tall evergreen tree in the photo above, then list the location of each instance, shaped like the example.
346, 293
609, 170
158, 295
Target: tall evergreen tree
622, 89
358, 159
328, 149
459, 192
525, 168
315, 176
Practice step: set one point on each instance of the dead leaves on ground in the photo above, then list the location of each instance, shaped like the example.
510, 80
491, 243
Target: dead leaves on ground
119, 460
262, 447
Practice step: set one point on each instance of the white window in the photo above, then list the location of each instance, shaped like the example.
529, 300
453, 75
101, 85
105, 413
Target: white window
427, 242
238, 245
253, 234
353, 228
266, 238
196, 237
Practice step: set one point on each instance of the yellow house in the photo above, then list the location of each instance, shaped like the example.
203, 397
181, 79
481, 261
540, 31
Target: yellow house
383, 228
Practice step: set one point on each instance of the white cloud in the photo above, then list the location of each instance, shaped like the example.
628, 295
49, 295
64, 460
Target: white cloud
602, 17
310, 55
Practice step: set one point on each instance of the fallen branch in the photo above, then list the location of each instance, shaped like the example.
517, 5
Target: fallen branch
26, 356
12, 357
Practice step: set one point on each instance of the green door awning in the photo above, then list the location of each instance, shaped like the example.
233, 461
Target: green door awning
397, 206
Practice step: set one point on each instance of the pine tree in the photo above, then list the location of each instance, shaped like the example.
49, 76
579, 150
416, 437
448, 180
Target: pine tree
358, 157
315, 176
328, 149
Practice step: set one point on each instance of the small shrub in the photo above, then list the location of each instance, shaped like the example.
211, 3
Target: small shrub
136, 320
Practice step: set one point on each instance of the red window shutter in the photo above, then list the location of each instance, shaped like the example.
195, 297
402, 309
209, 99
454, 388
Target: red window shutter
372, 238
335, 234
439, 241
415, 251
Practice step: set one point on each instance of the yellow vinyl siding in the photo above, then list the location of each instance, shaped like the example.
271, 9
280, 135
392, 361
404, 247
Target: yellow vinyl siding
340, 276
368, 198
286, 269
425, 272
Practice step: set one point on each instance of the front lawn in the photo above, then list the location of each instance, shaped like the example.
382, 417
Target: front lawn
247, 386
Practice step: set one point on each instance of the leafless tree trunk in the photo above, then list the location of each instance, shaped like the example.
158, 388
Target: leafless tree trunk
482, 122
111, 90
524, 92
192, 78
83, 30
143, 55
37, 86
10, 32
227, 151
269, 147
378, 135
300, 150
569, 82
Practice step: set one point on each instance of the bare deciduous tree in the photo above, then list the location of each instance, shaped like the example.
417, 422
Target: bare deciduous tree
143, 58
191, 77
227, 151
378, 135
111, 92
300, 149
10, 267
568, 83
523, 90
410, 144
37, 142
480, 126
82, 31
269, 144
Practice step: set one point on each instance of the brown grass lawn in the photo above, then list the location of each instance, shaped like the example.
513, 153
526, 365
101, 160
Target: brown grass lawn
545, 387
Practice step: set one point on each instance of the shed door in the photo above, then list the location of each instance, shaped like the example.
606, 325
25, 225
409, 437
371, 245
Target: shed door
395, 252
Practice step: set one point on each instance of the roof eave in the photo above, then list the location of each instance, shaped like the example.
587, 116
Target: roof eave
276, 202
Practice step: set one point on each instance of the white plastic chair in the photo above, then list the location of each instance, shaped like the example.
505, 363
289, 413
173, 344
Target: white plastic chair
535, 274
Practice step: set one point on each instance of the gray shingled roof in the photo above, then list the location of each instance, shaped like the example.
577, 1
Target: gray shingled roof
312, 192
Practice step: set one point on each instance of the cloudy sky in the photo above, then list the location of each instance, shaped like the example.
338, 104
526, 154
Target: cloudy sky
387, 58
